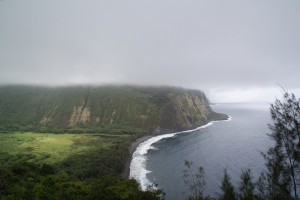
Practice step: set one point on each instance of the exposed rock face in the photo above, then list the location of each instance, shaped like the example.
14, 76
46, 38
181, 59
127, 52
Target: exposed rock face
80, 114
112, 109
186, 109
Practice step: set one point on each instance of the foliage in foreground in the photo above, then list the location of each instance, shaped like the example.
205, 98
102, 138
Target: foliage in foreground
281, 179
31, 181
88, 168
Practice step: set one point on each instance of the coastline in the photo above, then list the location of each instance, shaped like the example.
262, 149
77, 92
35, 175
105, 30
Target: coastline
134, 145
131, 150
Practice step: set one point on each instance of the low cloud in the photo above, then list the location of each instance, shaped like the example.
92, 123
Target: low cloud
196, 44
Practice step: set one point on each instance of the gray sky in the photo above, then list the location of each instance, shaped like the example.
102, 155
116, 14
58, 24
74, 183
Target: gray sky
233, 49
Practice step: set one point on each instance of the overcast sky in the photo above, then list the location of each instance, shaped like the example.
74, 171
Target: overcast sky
233, 49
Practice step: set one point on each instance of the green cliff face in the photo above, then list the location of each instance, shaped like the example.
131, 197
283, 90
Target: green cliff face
113, 109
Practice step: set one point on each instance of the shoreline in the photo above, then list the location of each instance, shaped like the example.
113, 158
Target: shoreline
133, 146
136, 143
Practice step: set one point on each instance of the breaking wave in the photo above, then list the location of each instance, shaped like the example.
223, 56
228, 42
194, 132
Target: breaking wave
138, 163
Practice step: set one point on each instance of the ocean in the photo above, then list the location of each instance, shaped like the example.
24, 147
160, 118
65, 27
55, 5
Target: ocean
234, 144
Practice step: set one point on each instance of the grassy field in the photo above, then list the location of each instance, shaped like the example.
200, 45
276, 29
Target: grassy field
53, 148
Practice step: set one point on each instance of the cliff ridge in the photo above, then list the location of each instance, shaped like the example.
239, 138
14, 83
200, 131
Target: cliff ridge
110, 109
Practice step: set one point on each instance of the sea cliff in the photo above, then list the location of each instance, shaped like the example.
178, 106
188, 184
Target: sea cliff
109, 109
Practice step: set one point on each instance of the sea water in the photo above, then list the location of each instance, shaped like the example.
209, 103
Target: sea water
234, 144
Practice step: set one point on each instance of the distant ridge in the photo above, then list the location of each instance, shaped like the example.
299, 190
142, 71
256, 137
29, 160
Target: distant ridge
107, 109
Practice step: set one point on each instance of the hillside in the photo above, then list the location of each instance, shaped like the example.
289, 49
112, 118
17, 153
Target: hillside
103, 109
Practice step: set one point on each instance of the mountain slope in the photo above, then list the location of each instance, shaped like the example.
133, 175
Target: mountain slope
113, 109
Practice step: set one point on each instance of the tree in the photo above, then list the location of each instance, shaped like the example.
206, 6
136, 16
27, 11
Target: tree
114, 187
283, 158
227, 188
247, 186
275, 180
195, 181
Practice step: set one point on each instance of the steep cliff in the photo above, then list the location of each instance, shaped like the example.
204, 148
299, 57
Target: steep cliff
112, 109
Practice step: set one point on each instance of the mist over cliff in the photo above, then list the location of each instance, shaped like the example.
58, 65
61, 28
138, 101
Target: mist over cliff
109, 109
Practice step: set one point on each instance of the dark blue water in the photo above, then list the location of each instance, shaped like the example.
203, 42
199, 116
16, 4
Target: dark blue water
234, 144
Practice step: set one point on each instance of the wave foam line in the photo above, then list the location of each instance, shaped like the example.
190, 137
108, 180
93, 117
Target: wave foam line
138, 163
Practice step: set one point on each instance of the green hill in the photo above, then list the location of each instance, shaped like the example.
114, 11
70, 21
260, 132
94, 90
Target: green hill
42, 165
103, 109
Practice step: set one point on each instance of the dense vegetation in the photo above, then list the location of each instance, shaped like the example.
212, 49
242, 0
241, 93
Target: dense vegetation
40, 159
27, 180
106, 109
66, 166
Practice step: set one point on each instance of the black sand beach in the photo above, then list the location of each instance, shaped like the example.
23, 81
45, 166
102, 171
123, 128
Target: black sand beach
131, 150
